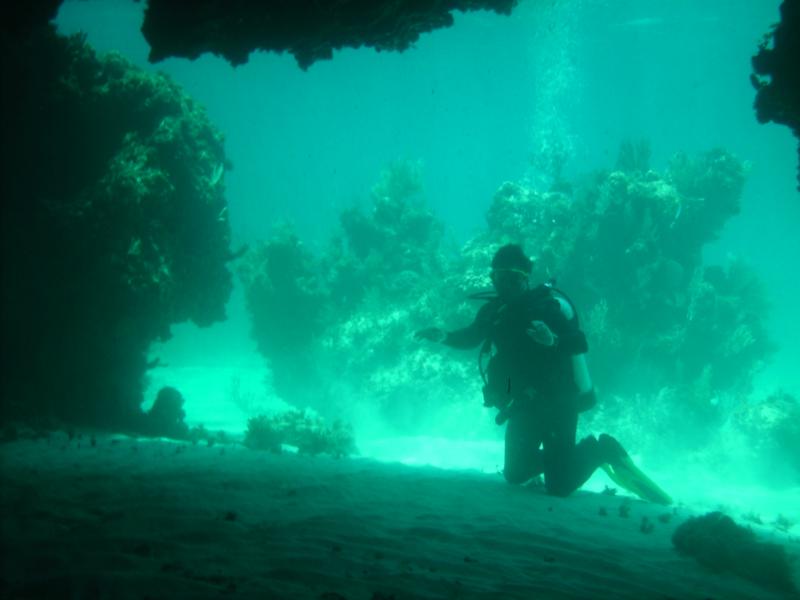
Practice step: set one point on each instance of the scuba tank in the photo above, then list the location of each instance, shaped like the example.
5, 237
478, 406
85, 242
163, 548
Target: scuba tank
580, 371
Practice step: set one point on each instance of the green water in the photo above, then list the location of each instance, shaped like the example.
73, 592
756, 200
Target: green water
480, 104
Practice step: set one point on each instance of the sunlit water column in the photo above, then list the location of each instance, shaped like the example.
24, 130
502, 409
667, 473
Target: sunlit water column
557, 88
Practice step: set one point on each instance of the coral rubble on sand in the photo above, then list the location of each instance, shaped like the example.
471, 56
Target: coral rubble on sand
716, 542
305, 430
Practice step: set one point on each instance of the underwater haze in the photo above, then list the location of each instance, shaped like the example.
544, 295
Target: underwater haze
511, 313
557, 98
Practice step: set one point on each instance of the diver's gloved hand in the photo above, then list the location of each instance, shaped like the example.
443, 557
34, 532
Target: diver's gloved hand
542, 334
432, 334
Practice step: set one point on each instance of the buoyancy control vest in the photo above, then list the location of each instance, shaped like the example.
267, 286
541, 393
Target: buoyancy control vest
516, 364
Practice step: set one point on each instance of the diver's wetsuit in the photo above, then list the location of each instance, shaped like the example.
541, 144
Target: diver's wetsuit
539, 381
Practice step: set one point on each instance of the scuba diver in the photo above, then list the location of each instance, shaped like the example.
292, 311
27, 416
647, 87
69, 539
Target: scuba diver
538, 379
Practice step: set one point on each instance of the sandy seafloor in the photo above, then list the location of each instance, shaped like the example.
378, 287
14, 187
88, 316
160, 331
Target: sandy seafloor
136, 518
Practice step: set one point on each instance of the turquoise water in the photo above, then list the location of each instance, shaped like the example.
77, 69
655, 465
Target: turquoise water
477, 105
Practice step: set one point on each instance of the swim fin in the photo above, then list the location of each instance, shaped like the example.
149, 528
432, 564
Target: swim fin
628, 476
622, 471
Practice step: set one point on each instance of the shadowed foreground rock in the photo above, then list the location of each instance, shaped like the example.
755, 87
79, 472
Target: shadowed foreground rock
308, 29
21, 17
777, 76
114, 227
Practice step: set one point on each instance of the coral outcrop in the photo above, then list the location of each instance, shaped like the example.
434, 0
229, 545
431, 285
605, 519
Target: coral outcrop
627, 247
327, 322
308, 29
628, 250
166, 417
114, 227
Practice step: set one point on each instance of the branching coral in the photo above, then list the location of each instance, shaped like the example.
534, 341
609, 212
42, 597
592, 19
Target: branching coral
394, 244
287, 299
284, 293
303, 429
710, 187
351, 310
